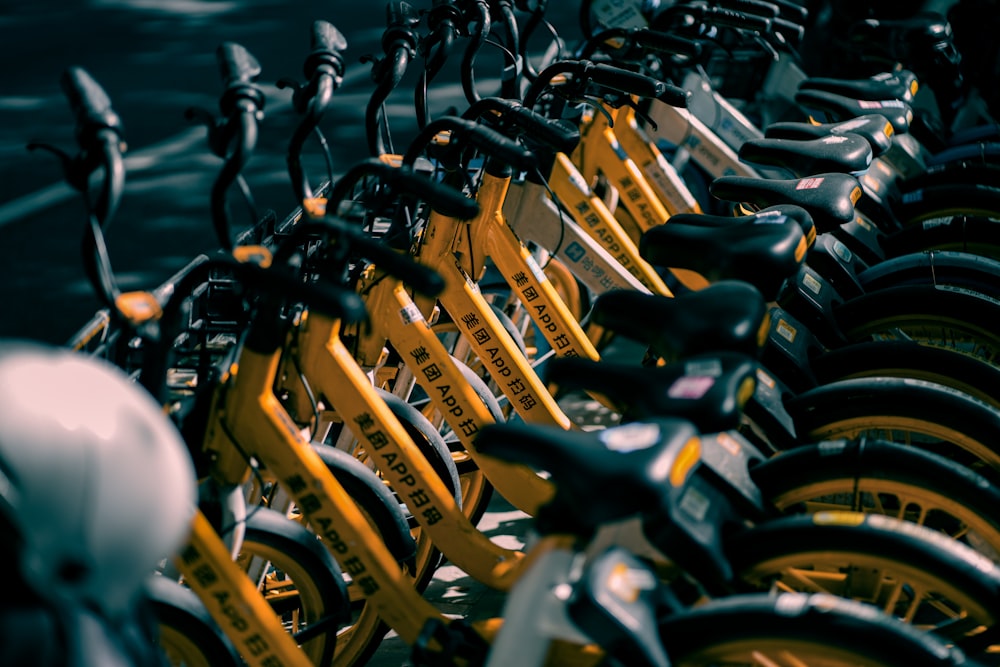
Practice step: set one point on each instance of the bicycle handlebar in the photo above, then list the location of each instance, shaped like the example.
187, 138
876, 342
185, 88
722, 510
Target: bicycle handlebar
399, 43
488, 141
555, 134
767, 10
442, 198
609, 77
331, 299
422, 279
242, 103
731, 18
91, 106
660, 41
325, 68
645, 39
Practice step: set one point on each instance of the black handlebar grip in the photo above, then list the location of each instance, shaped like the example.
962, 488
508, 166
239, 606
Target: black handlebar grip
663, 42
239, 70
422, 279
237, 65
634, 83
497, 146
90, 104
327, 47
326, 37
623, 80
443, 198
559, 136
768, 10
733, 19
330, 299
791, 31
791, 11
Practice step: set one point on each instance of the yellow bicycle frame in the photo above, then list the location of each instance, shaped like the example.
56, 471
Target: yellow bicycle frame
334, 374
398, 320
600, 152
233, 600
574, 192
457, 251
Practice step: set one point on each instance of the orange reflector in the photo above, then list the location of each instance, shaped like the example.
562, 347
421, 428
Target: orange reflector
253, 254
834, 518
686, 458
138, 307
765, 329
745, 391
800, 250
315, 206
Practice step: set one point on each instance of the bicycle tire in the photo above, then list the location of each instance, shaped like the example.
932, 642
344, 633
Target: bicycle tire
937, 315
477, 491
432, 446
436, 451
359, 640
909, 359
881, 477
188, 634
295, 552
908, 571
943, 230
958, 269
913, 412
947, 200
816, 630
428, 439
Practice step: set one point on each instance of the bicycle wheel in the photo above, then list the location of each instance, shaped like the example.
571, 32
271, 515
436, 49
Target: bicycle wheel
944, 230
910, 359
476, 488
300, 579
921, 414
930, 314
297, 576
798, 630
362, 635
432, 446
880, 477
188, 634
908, 571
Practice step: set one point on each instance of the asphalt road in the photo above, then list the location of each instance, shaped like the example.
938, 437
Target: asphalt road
155, 59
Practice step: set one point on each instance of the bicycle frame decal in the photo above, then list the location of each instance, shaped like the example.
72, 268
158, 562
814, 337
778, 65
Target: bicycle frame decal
234, 601
547, 309
434, 369
668, 185
600, 152
595, 218
499, 353
336, 375
535, 217
254, 423
680, 128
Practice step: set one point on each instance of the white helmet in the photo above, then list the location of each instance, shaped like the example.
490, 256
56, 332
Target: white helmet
96, 479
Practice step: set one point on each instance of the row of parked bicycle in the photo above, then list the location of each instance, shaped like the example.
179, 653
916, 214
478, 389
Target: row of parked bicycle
802, 465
